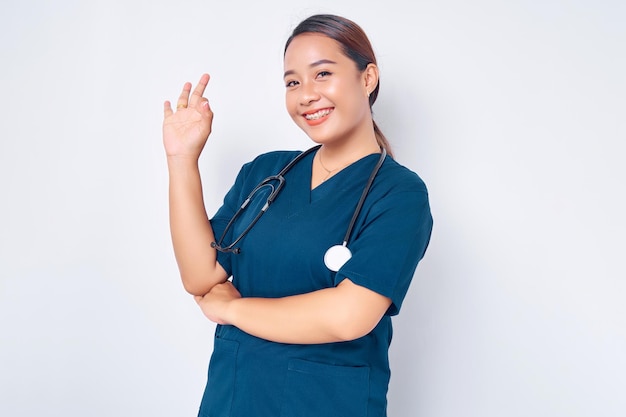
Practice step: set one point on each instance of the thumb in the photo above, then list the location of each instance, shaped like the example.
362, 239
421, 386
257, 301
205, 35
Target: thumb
205, 106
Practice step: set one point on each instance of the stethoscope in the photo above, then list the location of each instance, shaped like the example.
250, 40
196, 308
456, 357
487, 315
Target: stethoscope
336, 256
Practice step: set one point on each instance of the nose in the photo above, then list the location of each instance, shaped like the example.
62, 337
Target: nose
308, 93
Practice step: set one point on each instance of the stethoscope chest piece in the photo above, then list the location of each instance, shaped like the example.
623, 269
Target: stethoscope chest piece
336, 256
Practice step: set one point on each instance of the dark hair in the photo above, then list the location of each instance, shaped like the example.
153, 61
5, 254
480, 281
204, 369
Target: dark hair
355, 45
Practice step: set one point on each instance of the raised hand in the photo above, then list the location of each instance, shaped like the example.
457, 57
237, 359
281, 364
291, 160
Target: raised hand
185, 131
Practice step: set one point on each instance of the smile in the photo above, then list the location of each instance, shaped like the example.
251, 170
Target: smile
318, 114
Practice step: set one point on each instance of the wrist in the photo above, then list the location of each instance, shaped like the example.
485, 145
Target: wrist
183, 159
182, 165
231, 311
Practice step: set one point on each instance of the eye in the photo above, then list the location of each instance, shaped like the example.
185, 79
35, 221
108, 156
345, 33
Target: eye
292, 83
323, 74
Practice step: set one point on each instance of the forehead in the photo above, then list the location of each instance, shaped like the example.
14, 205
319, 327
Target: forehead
312, 47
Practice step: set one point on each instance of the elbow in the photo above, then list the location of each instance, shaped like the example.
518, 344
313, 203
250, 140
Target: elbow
351, 328
356, 311
195, 287
195, 290
200, 280
347, 336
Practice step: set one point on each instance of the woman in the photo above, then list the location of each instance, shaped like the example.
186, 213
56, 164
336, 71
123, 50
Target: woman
301, 332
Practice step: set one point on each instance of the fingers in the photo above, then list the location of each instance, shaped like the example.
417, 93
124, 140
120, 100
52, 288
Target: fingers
183, 99
196, 96
167, 109
204, 105
189, 99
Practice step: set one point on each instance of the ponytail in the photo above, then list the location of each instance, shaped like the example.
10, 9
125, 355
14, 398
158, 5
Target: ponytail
382, 140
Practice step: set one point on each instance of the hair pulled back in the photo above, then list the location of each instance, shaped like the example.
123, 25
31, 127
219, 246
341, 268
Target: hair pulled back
355, 45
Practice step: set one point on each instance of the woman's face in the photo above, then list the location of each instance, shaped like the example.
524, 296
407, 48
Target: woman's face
326, 94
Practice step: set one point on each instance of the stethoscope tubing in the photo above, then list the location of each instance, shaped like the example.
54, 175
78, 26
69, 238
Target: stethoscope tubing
274, 193
366, 190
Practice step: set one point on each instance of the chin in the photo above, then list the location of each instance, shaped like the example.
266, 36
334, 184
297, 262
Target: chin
320, 136
320, 139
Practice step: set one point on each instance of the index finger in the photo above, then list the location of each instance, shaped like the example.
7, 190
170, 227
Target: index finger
199, 90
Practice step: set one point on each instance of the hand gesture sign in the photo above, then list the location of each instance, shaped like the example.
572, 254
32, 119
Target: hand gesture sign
186, 130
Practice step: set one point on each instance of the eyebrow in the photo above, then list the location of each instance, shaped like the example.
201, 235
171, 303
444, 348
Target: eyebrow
314, 64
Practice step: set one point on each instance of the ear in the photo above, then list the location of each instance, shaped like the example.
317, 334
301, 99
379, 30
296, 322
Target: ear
370, 78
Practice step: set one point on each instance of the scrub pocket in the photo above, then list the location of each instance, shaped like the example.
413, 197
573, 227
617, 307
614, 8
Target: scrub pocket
320, 390
217, 400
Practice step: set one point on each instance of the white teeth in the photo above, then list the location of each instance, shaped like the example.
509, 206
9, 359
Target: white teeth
317, 115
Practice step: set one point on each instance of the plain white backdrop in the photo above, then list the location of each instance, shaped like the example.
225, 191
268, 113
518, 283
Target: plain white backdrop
512, 112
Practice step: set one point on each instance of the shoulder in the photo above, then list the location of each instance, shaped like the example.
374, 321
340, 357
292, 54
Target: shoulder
399, 199
394, 178
274, 158
269, 163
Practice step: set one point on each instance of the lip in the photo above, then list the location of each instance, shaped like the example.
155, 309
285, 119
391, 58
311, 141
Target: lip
321, 119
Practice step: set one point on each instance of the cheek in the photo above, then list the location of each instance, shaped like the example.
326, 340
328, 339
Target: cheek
342, 92
290, 104
334, 90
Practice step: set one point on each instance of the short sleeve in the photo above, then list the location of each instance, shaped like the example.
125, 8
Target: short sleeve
391, 241
248, 177
232, 201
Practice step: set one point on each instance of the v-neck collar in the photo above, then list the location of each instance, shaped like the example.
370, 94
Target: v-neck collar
300, 198
338, 183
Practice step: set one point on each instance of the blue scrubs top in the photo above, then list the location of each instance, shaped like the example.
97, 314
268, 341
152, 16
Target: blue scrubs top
283, 255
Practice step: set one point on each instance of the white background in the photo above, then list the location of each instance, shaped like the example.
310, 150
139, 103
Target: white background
512, 112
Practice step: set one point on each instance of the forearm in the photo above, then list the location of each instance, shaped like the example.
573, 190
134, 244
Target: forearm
342, 313
190, 228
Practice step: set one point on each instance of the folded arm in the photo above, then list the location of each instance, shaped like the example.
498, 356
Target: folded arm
345, 312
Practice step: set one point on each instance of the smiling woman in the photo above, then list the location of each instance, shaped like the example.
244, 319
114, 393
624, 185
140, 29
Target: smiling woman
301, 333
327, 96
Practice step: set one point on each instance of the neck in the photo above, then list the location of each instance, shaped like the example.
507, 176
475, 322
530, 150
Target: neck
337, 154
330, 159
334, 156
